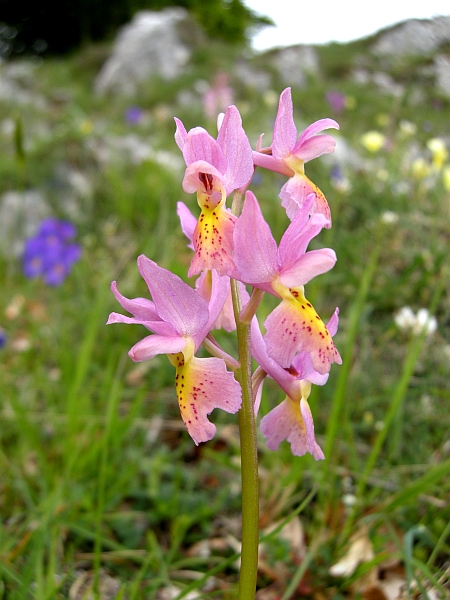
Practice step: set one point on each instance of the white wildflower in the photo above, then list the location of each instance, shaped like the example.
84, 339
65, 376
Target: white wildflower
407, 320
389, 217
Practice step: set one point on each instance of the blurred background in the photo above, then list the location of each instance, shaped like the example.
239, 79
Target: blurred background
102, 492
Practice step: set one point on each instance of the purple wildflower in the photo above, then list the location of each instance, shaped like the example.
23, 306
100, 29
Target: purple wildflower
50, 253
3, 338
336, 101
133, 115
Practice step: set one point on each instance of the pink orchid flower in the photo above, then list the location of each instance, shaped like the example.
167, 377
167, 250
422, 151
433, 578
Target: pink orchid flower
180, 320
294, 326
214, 169
226, 319
288, 156
291, 420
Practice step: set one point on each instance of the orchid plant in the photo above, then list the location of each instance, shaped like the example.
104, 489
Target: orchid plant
237, 261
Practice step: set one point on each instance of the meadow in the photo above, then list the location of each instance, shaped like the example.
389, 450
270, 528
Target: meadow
102, 493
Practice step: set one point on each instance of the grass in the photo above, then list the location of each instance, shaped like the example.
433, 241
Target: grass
101, 487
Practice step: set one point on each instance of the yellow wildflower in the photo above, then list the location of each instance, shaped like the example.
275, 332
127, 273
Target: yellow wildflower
438, 151
373, 141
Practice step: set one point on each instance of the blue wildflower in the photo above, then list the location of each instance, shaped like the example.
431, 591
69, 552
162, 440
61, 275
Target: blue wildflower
133, 115
3, 338
50, 253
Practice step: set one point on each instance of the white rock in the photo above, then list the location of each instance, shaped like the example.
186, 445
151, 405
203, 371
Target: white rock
147, 46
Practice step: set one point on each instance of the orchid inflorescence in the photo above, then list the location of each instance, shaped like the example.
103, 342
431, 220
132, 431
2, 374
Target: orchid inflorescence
233, 251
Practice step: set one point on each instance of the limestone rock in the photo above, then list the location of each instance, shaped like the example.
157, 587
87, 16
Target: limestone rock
294, 63
414, 37
442, 72
152, 44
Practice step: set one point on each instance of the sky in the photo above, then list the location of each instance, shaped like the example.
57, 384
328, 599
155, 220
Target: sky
322, 21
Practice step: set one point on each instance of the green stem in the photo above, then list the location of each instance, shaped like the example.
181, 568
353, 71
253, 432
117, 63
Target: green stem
247, 435
249, 459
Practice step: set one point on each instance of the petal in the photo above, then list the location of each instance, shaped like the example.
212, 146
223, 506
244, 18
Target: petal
199, 145
257, 385
192, 182
259, 352
255, 250
333, 323
266, 161
308, 266
285, 422
188, 222
159, 327
204, 384
303, 368
175, 301
213, 242
314, 147
220, 289
315, 128
294, 326
299, 233
313, 447
152, 345
284, 131
225, 319
294, 193
180, 134
237, 150
141, 308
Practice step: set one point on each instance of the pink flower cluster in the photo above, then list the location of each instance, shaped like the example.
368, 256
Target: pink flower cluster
297, 348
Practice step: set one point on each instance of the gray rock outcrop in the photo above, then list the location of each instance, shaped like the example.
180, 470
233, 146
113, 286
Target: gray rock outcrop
414, 37
152, 44
294, 63
442, 72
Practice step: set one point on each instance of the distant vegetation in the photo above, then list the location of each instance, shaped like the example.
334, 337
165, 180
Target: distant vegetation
53, 27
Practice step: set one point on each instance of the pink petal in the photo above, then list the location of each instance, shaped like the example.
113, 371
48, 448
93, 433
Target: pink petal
284, 131
314, 147
302, 366
160, 327
188, 222
225, 319
204, 384
175, 302
285, 422
309, 424
192, 182
152, 345
259, 352
141, 308
299, 233
255, 250
294, 193
266, 161
180, 134
294, 326
237, 150
220, 289
257, 386
213, 242
308, 266
204, 286
199, 145
333, 323
315, 128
